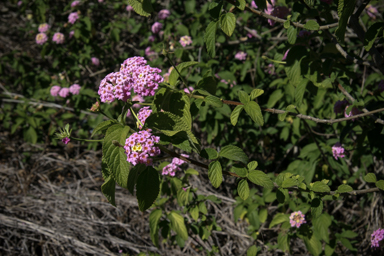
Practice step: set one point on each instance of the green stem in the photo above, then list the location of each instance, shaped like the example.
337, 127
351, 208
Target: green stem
73, 138
169, 59
134, 114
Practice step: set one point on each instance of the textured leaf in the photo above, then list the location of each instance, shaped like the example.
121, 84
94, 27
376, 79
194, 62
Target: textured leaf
215, 9
182, 196
370, 177
235, 114
115, 156
177, 224
209, 153
213, 101
254, 111
239, 170
108, 189
233, 153
215, 173
279, 218
210, 38
143, 8
243, 189
321, 225
380, 184
311, 25
313, 245
252, 165
260, 178
319, 186
372, 34
243, 97
154, 218
344, 188
228, 23
194, 213
345, 10
263, 215
292, 34
147, 188
289, 183
252, 251
208, 84
299, 91
240, 4
256, 93
132, 177
175, 75
316, 207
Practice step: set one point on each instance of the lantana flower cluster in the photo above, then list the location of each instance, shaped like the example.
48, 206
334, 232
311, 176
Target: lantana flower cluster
64, 92
338, 151
163, 14
171, 168
143, 114
73, 17
185, 40
377, 237
41, 38
296, 219
241, 56
140, 146
134, 75
58, 38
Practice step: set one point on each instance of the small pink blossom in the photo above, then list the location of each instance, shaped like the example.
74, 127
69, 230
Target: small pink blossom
58, 38
241, 56
73, 17
353, 112
95, 61
71, 33
252, 34
253, 5
55, 90
100, 1
19, 3
43, 28
95, 107
143, 114
129, 8
377, 238
163, 14
64, 92
188, 90
66, 140
151, 39
75, 3
139, 99
74, 89
286, 54
270, 69
371, 11
41, 38
296, 219
173, 167
157, 27
185, 40
338, 151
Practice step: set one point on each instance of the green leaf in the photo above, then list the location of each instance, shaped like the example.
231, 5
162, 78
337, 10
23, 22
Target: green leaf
203, 208
282, 241
254, 111
347, 244
263, 215
345, 10
194, 213
313, 245
143, 8
88, 23
234, 153
370, 177
209, 84
213, 101
316, 207
311, 25
244, 97
256, 93
182, 196
299, 91
292, 34
371, 35
30, 135
321, 225
282, 195
235, 114
348, 234
243, 189
168, 123
103, 126
115, 34
239, 170
177, 224
191, 171
108, 190
287, 110
260, 178
380, 184
210, 38
147, 188
344, 188
240, 4
252, 165
319, 186
115, 156
215, 173
215, 9
289, 183
252, 251
133, 175
175, 75
154, 218
228, 23
279, 218
209, 153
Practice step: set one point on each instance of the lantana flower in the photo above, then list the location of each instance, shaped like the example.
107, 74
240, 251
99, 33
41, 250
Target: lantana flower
296, 219
163, 14
41, 38
74, 89
64, 92
185, 40
43, 28
241, 55
156, 27
75, 3
58, 38
171, 168
377, 238
338, 151
143, 114
95, 61
73, 17
55, 90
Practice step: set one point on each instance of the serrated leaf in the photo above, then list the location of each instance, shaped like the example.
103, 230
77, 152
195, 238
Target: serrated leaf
263, 214
115, 156
345, 10
289, 183
243, 97
344, 188
209, 153
316, 207
191, 172
215, 173
203, 208
370, 177
292, 34
299, 91
313, 245
183, 196
194, 213
254, 111
228, 23
177, 224
208, 84
321, 225
243, 189
234, 153
143, 8
240, 4
154, 218
175, 75
210, 38
133, 175
348, 234
319, 186
256, 93
108, 190
380, 184
252, 165
147, 188
260, 178
372, 34
239, 170
235, 114
252, 251
311, 25
279, 218
215, 9
213, 101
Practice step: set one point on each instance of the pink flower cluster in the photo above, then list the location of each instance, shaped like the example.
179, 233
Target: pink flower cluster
353, 112
241, 56
185, 40
129, 8
64, 92
277, 11
157, 27
189, 90
134, 75
66, 140
41, 38
43, 28
231, 83
143, 114
338, 151
140, 146
296, 219
73, 17
95, 61
149, 53
58, 38
75, 3
174, 166
163, 14
377, 237
372, 11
